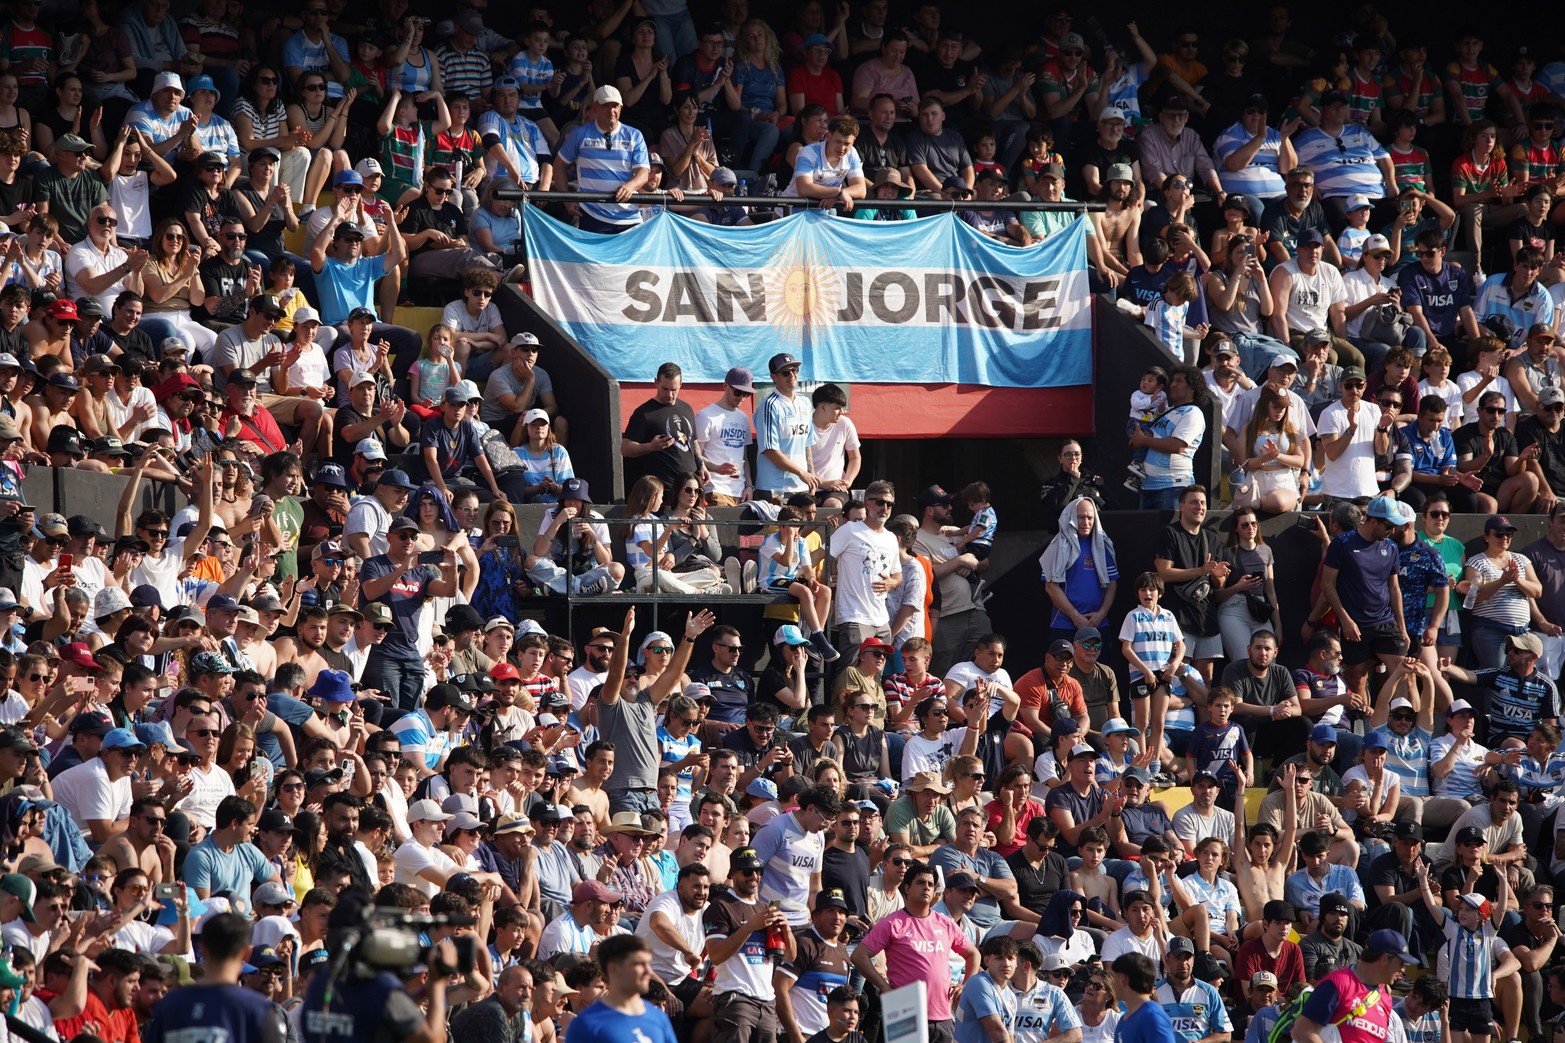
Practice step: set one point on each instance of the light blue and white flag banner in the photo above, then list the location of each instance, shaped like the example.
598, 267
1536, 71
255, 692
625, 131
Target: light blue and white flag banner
930, 301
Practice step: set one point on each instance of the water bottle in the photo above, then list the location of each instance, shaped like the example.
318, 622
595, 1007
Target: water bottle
744, 187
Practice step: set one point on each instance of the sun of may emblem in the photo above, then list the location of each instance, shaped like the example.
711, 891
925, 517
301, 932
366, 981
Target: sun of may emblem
803, 291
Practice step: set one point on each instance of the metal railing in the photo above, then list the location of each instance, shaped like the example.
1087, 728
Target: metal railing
663, 198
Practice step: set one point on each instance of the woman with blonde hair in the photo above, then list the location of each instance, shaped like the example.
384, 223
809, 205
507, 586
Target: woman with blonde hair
1271, 481
171, 287
757, 93
966, 776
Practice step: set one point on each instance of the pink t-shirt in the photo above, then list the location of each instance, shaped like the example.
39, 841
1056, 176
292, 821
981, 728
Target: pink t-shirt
918, 948
873, 78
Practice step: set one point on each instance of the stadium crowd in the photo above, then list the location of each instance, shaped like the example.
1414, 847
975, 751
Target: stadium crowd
229, 730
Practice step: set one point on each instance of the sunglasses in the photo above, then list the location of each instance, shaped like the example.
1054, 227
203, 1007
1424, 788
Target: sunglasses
106, 221
270, 80
161, 534
205, 733
1073, 53
236, 235
864, 706
313, 87
884, 503
662, 649
900, 861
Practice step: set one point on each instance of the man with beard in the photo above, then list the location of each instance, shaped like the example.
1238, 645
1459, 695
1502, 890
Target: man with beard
672, 926
1118, 227
962, 620
325, 511
594, 667
1328, 947
845, 864
341, 812
308, 643
660, 434
737, 927
820, 965
556, 871
584, 842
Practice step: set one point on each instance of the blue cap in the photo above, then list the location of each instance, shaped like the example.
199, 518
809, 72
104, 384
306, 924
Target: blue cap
816, 40
1386, 942
788, 634
508, 83
1384, 508
331, 474
1323, 733
202, 83
157, 733
1376, 741
397, 478
222, 603
575, 489
348, 177
766, 789
123, 739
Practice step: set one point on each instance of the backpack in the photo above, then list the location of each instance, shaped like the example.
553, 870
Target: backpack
1282, 1030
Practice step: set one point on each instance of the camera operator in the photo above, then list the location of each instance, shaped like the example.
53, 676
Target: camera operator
217, 1003
367, 1001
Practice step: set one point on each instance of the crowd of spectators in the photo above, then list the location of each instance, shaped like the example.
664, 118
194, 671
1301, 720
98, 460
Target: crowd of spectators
229, 728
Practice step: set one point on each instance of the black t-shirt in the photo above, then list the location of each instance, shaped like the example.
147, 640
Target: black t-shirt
1387, 870
1188, 551
1034, 887
1469, 442
422, 217
848, 870
269, 240
221, 279
211, 211
1488, 883
1537, 238
772, 681
1551, 450
1102, 157
872, 153
860, 757
936, 77
137, 344
653, 418
16, 195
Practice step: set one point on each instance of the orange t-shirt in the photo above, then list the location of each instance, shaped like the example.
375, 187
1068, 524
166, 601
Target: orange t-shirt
1034, 685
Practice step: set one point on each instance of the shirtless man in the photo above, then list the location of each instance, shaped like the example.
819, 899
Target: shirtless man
250, 634
713, 814
305, 648
588, 789
1119, 226
50, 333
142, 845
51, 408
1262, 860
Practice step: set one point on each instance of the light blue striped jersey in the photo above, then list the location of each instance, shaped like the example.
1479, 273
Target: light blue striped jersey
1196, 1013
783, 424
217, 135
1407, 757
771, 570
1343, 165
1471, 956
605, 160
1151, 636
520, 138
674, 750
1259, 177
531, 72
1042, 1011
1168, 324
1463, 778
157, 129
1495, 298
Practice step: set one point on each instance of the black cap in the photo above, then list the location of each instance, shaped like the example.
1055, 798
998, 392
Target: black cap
462, 618
1470, 835
275, 820
934, 496
1332, 902
782, 360
1277, 909
1408, 831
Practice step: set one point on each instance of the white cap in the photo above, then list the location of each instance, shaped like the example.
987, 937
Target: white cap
367, 166
1459, 706
1399, 703
1359, 202
534, 414
361, 377
1374, 244
370, 449
426, 810
524, 339
547, 720
304, 315
167, 79
607, 94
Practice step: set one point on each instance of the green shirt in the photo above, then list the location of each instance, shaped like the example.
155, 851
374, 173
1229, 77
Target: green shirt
289, 517
71, 200
1452, 553
902, 817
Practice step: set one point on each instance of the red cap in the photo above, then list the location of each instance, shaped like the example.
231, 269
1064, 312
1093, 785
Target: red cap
77, 652
869, 644
63, 309
504, 672
174, 385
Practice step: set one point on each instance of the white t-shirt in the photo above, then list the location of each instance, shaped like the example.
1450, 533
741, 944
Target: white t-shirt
87, 793
1237, 416
863, 556
16, 934
1451, 391
412, 858
1122, 941
723, 435
119, 412
1360, 286
368, 515
832, 445
311, 370
163, 572
1104, 1032
670, 964
211, 787
140, 937
130, 196
580, 682
1392, 784
85, 258
967, 674
1469, 380
1353, 473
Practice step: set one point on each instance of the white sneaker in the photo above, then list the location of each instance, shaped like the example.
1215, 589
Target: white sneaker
1133, 484
731, 573
749, 577
1137, 470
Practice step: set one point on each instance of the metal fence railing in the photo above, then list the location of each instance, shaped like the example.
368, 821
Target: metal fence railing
663, 198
